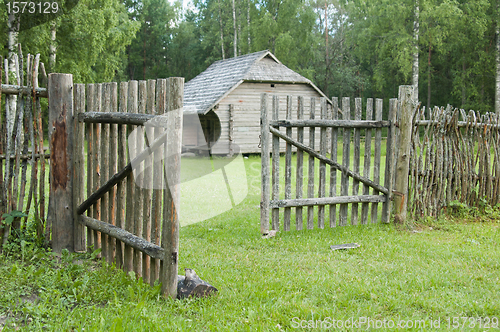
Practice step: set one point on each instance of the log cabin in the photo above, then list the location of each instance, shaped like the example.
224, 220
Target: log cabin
226, 98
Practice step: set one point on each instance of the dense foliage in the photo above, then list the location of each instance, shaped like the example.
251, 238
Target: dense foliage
348, 48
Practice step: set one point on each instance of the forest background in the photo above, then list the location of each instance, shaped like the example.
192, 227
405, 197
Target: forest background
356, 48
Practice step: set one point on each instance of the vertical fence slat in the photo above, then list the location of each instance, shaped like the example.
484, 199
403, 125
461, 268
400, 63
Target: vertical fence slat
288, 166
356, 161
333, 171
300, 165
367, 159
61, 166
139, 180
89, 133
346, 138
161, 102
104, 167
121, 187
265, 186
148, 183
389, 163
78, 165
310, 182
378, 153
128, 258
170, 228
113, 162
322, 166
97, 163
275, 173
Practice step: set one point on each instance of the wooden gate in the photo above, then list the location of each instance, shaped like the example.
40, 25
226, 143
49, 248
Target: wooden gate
344, 124
122, 218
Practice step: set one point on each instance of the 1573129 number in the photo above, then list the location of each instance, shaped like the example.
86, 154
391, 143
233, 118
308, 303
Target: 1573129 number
30, 7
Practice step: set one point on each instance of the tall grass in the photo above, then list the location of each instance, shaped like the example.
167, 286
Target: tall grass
430, 271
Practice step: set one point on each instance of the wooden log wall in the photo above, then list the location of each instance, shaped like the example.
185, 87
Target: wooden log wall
23, 179
360, 189
455, 157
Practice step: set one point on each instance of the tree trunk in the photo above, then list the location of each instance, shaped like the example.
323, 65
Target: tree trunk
429, 78
52, 46
497, 91
235, 42
326, 48
416, 27
13, 32
221, 32
248, 23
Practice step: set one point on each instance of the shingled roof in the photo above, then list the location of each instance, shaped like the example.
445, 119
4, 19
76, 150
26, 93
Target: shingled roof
207, 89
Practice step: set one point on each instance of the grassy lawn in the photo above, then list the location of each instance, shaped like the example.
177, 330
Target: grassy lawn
417, 273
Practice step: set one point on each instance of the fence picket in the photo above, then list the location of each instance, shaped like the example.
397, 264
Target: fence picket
300, 165
275, 165
378, 153
322, 165
310, 182
288, 167
333, 171
346, 138
367, 159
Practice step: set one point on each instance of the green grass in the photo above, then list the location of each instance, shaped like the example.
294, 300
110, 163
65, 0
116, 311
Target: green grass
432, 270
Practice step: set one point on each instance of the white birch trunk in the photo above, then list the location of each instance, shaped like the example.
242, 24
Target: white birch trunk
12, 37
416, 27
221, 32
248, 22
235, 43
52, 46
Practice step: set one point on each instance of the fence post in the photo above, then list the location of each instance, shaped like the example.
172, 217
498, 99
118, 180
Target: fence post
406, 104
170, 229
60, 213
265, 159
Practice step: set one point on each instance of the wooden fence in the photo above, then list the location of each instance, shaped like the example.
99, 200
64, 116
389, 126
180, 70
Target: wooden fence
360, 189
455, 157
22, 145
137, 227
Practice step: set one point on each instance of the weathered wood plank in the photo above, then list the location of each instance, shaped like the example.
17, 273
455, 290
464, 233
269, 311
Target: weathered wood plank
161, 104
115, 118
104, 167
367, 159
288, 167
322, 165
9, 89
61, 166
170, 228
121, 163
378, 153
265, 166
139, 179
345, 123
346, 138
300, 165
89, 134
334, 157
275, 173
356, 160
113, 166
128, 257
389, 163
310, 170
78, 166
322, 201
148, 183
406, 96
128, 238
